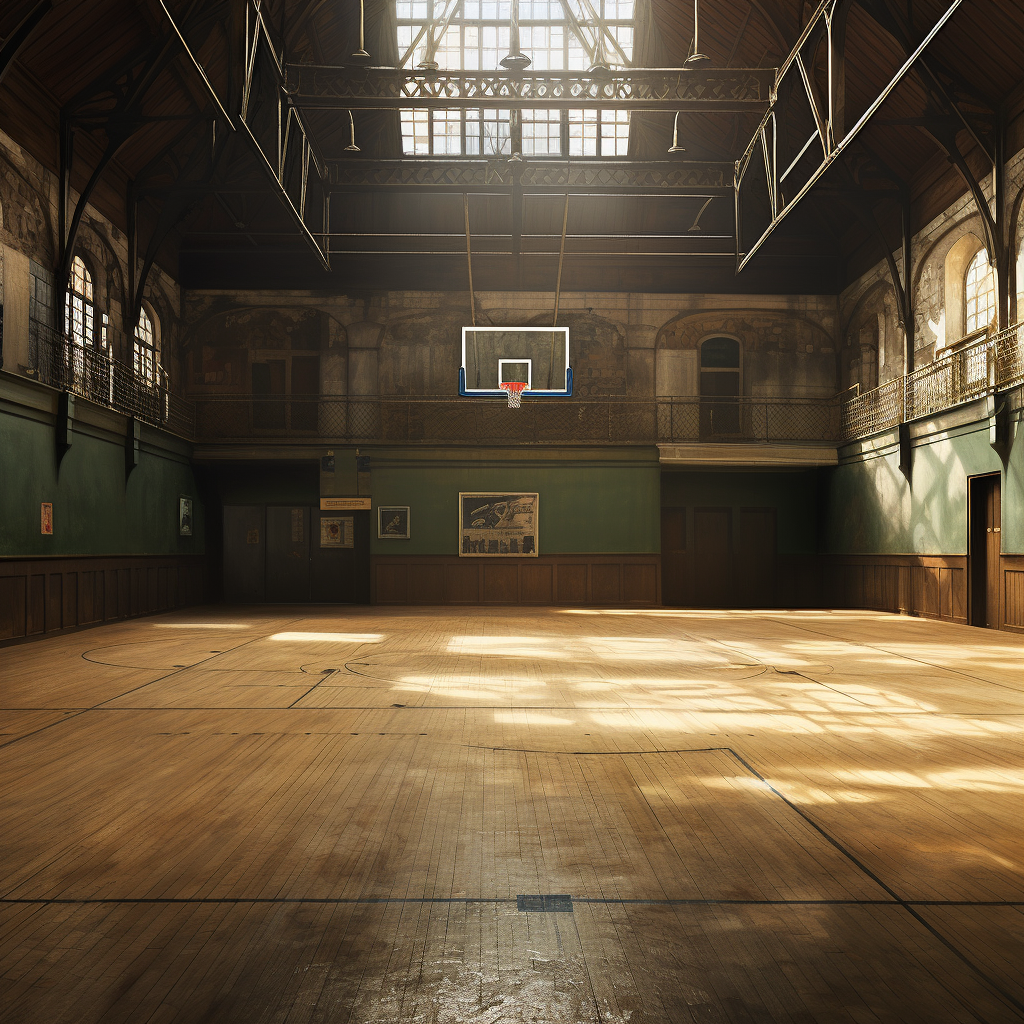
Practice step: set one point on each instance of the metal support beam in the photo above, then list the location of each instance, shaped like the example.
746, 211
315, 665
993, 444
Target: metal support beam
763, 139
339, 88
19, 37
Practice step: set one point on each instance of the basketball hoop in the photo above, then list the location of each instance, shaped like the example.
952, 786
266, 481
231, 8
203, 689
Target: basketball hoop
515, 389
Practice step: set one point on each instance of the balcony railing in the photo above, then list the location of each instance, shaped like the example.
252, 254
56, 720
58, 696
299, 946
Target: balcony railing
961, 376
93, 374
445, 420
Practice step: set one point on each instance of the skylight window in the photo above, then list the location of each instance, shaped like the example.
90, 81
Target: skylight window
474, 35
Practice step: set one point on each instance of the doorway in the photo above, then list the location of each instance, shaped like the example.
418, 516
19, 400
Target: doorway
984, 529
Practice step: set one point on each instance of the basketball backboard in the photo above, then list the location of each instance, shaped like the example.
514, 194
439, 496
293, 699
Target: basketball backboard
537, 355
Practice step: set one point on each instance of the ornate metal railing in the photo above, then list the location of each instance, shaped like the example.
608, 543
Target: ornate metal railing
962, 375
93, 374
444, 419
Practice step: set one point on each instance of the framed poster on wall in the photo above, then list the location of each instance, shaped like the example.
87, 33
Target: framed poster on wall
494, 524
337, 531
184, 516
392, 522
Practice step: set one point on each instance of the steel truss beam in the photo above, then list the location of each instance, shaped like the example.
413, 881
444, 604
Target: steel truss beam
279, 137
341, 88
438, 176
12, 45
785, 174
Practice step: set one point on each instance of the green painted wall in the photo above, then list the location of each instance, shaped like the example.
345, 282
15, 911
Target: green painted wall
95, 511
585, 506
794, 496
873, 509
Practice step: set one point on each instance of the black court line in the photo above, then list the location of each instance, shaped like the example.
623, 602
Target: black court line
69, 901
896, 899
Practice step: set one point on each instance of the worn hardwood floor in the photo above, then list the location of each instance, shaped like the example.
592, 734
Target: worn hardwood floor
301, 815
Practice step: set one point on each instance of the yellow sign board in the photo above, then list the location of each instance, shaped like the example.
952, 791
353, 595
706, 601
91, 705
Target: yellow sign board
344, 504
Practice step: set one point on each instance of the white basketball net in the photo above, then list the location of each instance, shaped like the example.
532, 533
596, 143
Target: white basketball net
515, 389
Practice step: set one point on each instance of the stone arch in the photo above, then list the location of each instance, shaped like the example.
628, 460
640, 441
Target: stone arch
959, 257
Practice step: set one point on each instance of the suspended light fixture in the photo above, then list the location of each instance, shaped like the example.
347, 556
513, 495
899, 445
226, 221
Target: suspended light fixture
675, 147
352, 147
696, 59
361, 56
515, 60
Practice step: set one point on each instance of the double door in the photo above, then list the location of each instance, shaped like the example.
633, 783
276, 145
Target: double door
718, 557
276, 554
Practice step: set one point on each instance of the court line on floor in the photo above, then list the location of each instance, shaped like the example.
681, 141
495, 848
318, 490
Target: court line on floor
896, 899
597, 900
100, 705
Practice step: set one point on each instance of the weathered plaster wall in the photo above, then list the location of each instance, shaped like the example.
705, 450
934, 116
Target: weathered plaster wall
28, 232
409, 343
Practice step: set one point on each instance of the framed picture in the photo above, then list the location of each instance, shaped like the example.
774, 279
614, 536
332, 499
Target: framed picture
492, 524
337, 532
184, 517
393, 522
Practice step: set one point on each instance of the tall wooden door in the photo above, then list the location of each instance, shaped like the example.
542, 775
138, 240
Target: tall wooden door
756, 569
985, 535
244, 554
287, 553
340, 572
712, 558
673, 556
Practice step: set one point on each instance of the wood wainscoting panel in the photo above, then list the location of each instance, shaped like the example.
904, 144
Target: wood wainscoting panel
499, 583
1012, 568
932, 586
605, 584
426, 584
462, 582
537, 584
393, 584
571, 584
45, 595
571, 580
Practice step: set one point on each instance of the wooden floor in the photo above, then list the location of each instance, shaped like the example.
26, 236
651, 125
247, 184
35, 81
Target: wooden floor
303, 815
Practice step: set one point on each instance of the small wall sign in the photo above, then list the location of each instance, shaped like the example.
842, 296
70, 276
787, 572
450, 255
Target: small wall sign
337, 532
46, 517
344, 504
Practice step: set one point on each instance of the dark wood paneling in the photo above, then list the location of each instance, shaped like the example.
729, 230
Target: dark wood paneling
536, 584
462, 582
45, 595
571, 580
426, 582
605, 584
1012, 571
393, 584
499, 583
571, 585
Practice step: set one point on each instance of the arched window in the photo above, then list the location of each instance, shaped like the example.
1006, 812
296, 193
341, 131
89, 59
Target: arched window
144, 348
719, 386
79, 311
979, 293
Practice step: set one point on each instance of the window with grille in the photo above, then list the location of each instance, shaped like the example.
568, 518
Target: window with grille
144, 348
79, 310
473, 35
979, 293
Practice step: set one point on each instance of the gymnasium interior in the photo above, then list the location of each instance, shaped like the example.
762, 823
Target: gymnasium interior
511, 511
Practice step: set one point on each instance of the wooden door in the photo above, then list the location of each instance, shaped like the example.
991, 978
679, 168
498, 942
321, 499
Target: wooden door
244, 554
287, 553
673, 556
341, 575
712, 558
756, 570
984, 542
